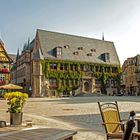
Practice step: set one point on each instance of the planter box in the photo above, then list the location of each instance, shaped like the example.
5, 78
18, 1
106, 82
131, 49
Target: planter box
16, 118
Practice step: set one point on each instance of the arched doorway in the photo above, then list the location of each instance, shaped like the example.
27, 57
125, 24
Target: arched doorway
86, 87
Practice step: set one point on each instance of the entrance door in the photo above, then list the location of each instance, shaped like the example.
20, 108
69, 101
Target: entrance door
86, 87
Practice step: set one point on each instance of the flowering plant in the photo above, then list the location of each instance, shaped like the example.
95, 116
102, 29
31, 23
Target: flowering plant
16, 101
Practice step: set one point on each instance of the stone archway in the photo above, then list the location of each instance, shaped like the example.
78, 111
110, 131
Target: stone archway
87, 87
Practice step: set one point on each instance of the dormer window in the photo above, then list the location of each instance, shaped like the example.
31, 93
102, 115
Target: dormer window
80, 48
66, 46
58, 52
75, 53
89, 54
105, 57
93, 50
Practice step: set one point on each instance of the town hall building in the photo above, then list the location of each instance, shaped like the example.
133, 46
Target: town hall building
60, 64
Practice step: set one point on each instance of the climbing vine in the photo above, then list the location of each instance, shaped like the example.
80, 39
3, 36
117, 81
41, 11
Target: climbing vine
77, 74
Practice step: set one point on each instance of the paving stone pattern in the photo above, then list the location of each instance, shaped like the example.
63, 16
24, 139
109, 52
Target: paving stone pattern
77, 113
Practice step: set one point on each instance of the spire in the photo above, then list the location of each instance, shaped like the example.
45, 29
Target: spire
28, 41
28, 44
103, 36
17, 54
24, 47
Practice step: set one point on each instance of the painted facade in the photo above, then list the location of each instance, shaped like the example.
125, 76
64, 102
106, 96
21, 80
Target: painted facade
5, 62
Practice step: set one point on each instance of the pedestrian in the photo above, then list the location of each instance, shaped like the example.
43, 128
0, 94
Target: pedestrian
30, 91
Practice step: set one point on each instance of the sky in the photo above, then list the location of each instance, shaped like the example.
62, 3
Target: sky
119, 20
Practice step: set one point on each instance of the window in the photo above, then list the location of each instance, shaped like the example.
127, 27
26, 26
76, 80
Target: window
138, 68
66, 46
93, 50
114, 70
97, 69
82, 67
108, 83
53, 66
4, 65
2, 77
105, 57
76, 82
67, 82
86, 67
113, 83
65, 66
80, 48
89, 54
53, 82
62, 82
58, 51
61, 66
72, 82
108, 69
71, 66
75, 53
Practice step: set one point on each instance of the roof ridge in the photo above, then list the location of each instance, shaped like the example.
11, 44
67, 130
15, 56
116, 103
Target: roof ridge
79, 36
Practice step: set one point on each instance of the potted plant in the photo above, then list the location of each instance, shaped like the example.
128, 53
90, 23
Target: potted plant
16, 101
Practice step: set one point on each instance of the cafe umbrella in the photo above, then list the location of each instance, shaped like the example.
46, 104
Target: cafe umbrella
11, 87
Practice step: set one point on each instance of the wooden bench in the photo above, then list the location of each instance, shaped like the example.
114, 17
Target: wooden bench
39, 134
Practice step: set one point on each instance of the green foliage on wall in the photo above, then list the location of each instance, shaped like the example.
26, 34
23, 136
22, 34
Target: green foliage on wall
67, 76
77, 75
63, 74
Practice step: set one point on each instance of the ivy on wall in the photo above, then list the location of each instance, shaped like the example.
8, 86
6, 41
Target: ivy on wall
78, 74
67, 76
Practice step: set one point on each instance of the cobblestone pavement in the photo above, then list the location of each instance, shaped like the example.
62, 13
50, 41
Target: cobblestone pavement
78, 113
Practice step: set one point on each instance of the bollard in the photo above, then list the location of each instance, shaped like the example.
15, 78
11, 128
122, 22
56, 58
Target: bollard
129, 126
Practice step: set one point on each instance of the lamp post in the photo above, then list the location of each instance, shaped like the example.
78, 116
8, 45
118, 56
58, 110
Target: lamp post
129, 126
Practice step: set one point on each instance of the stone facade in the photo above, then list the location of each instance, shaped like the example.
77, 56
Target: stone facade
56, 63
130, 76
21, 70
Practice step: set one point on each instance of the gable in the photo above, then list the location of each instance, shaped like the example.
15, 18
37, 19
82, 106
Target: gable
3, 55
